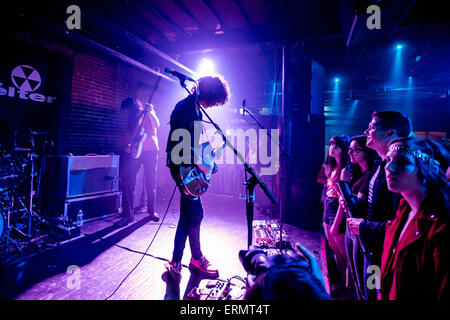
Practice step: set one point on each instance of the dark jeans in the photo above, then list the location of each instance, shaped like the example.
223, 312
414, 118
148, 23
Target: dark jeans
355, 258
191, 215
129, 170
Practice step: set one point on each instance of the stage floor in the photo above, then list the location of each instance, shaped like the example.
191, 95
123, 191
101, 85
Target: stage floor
91, 266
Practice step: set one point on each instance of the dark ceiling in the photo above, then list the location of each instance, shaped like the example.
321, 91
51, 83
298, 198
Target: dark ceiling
145, 30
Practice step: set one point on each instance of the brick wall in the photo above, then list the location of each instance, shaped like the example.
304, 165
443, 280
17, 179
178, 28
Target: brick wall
95, 122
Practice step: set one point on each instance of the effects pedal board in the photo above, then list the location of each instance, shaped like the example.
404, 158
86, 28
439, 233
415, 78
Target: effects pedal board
216, 290
266, 235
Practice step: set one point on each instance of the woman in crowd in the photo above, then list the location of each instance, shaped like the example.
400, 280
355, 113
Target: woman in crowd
338, 159
415, 260
364, 158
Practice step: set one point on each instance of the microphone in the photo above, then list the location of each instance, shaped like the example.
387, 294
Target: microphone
180, 76
244, 104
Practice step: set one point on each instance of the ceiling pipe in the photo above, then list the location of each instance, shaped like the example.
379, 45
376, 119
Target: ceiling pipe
127, 34
56, 28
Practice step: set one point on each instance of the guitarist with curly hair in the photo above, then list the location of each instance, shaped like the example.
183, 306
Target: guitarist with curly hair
210, 92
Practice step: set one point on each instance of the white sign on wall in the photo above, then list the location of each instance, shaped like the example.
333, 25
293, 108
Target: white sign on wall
25, 80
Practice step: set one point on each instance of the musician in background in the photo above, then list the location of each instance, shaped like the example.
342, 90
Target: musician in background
211, 91
148, 158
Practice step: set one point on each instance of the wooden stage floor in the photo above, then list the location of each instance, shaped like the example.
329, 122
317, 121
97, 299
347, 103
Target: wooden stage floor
92, 266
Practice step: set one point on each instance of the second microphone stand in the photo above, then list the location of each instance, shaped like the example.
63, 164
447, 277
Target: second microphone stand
283, 151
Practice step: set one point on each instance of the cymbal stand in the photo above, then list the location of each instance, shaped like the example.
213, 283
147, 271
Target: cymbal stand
31, 213
9, 227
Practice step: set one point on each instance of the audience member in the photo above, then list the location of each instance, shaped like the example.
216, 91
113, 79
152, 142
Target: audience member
364, 158
290, 277
415, 260
338, 159
382, 204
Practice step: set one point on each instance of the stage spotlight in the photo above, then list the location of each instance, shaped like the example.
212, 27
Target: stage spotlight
336, 79
399, 46
205, 68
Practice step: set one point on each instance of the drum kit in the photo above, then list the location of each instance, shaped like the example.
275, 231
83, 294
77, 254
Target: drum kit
20, 177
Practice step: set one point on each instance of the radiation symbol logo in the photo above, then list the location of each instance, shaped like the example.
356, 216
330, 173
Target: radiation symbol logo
26, 78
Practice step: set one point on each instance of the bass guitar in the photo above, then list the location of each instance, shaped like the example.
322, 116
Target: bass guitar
139, 135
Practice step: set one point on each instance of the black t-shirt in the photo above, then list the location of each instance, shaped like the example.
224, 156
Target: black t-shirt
361, 185
185, 116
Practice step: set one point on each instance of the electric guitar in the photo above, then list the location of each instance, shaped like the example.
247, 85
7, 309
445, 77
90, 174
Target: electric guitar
194, 179
139, 135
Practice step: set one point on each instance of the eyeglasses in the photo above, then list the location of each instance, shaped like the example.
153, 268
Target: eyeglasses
353, 151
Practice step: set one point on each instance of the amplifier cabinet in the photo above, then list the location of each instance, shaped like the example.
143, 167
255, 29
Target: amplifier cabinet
76, 176
93, 207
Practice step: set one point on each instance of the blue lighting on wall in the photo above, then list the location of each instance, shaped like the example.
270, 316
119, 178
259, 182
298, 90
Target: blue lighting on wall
353, 107
397, 76
335, 103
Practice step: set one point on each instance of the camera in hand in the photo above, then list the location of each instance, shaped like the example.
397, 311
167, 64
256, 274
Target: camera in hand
256, 261
287, 276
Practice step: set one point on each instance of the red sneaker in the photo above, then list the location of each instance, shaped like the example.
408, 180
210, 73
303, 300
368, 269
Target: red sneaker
204, 267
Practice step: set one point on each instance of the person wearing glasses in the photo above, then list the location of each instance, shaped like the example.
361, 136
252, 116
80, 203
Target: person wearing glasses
381, 203
364, 158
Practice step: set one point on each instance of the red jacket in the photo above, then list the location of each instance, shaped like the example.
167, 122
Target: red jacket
417, 267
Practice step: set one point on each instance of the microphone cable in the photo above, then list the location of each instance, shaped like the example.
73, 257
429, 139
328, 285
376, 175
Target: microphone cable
145, 253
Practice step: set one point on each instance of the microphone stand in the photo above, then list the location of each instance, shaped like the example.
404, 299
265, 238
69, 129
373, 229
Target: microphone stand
283, 151
249, 183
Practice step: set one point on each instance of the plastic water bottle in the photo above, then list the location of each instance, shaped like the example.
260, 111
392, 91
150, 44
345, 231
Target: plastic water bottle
80, 217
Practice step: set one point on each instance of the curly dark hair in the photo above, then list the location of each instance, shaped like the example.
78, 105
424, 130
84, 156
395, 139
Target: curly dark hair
214, 91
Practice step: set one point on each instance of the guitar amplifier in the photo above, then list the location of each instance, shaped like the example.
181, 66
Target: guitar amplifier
93, 207
78, 176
